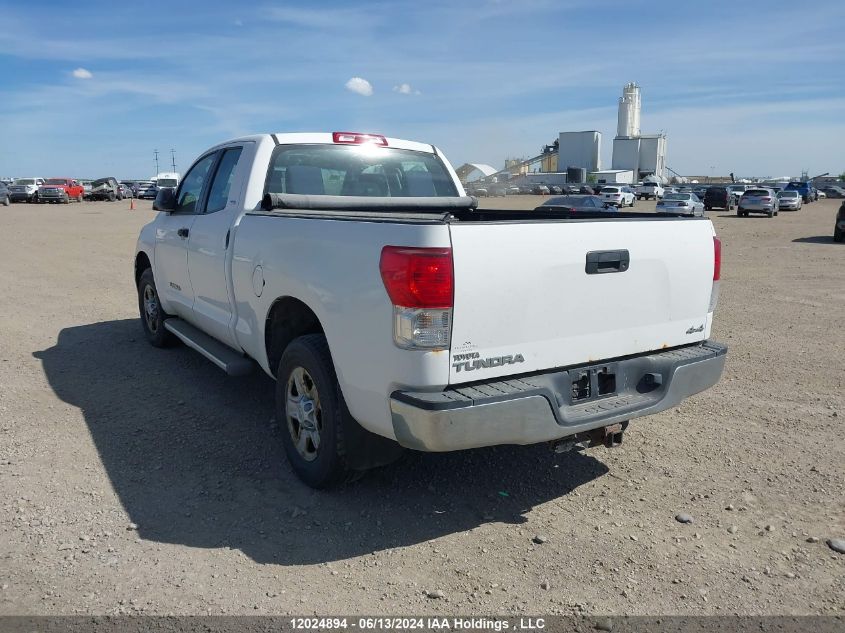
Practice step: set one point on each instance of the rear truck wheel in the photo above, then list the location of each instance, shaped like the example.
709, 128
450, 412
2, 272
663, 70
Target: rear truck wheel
79, 198
323, 443
838, 235
111, 197
152, 314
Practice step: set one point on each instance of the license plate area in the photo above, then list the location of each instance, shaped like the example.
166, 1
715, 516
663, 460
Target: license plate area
591, 383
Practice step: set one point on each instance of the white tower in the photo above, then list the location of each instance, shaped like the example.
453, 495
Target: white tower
629, 112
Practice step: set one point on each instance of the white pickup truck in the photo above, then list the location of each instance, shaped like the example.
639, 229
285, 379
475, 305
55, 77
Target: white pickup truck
648, 190
393, 313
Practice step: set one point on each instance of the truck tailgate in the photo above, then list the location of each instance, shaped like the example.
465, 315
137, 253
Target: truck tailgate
524, 300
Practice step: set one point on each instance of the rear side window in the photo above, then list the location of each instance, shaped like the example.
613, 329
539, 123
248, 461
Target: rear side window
357, 170
218, 196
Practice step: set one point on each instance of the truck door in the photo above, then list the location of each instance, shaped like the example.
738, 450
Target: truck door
210, 244
173, 232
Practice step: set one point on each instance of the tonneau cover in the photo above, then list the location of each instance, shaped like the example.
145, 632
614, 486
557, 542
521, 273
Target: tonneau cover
365, 203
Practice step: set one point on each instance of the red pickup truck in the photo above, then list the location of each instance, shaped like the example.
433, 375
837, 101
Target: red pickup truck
60, 190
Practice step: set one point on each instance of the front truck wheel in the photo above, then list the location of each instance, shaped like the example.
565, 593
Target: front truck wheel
323, 443
152, 314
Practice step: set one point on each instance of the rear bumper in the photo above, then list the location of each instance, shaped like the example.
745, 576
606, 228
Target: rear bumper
540, 407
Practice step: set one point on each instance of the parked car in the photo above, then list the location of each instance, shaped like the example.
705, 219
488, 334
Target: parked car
649, 190
555, 190
395, 328
834, 192
129, 186
805, 188
789, 201
758, 201
578, 203
25, 189
481, 192
125, 191
737, 190
620, 195
106, 189
686, 203
497, 190
718, 198
820, 194
86, 189
5, 198
148, 190
61, 190
839, 225
540, 190
586, 190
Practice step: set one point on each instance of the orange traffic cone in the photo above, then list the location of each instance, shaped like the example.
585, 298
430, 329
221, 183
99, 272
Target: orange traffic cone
131, 204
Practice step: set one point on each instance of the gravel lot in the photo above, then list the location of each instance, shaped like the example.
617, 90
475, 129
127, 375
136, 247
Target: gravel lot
137, 480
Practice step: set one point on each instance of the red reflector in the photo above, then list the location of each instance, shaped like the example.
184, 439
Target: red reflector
356, 138
717, 259
417, 277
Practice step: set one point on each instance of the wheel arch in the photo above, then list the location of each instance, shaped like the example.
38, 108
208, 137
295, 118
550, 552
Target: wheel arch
142, 262
287, 319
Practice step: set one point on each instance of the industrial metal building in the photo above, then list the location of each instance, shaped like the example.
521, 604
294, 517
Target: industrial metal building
579, 149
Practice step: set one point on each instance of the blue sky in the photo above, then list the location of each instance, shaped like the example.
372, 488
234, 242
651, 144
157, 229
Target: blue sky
753, 87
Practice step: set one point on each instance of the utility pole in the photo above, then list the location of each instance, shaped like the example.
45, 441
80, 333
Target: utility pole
173, 159
155, 151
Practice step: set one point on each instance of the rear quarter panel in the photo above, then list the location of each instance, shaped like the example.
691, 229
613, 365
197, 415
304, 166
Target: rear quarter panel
333, 267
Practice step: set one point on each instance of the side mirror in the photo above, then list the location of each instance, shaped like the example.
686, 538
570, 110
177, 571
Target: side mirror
165, 200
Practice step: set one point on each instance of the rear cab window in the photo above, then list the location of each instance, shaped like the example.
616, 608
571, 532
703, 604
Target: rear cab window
357, 170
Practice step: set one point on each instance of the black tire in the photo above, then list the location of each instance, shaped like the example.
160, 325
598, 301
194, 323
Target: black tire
66, 199
6, 201
153, 317
771, 214
344, 448
838, 235
111, 197
738, 212
306, 370
79, 197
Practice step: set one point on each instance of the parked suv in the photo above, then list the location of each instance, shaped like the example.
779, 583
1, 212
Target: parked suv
25, 189
4, 194
106, 189
758, 201
620, 195
718, 198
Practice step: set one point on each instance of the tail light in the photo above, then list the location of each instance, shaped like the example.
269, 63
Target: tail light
682, 204
766, 199
419, 282
717, 273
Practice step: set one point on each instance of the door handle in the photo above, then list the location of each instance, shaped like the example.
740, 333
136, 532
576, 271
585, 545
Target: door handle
599, 262
183, 232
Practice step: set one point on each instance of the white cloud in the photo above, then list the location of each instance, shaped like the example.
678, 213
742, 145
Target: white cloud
405, 89
360, 86
82, 73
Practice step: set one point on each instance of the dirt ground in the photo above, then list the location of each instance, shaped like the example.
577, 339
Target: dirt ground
138, 480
